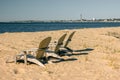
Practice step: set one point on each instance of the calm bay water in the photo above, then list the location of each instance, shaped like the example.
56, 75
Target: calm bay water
48, 26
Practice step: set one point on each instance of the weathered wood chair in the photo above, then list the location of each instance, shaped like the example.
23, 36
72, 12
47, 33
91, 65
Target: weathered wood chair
57, 47
35, 55
68, 41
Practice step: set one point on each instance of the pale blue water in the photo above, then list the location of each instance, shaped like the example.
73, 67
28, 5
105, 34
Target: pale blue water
49, 26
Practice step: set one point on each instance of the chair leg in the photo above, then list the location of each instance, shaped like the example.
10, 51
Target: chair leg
15, 59
34, 60
25, 57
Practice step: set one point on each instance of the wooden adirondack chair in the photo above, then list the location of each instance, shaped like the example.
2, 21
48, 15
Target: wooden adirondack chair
68, 41
59, 43
35, 55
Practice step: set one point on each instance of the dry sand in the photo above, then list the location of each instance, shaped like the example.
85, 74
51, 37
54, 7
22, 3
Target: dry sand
103, 63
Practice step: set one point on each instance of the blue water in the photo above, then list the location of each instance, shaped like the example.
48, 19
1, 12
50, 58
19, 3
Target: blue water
48, 26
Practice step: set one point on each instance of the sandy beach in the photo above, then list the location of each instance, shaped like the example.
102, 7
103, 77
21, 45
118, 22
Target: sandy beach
102, 63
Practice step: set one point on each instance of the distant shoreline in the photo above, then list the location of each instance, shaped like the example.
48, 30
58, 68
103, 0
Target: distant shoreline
60, 21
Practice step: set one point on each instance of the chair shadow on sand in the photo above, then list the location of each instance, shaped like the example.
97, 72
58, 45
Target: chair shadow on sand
76, 53
82, 52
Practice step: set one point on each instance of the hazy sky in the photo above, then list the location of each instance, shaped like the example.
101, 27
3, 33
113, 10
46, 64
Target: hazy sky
11, 10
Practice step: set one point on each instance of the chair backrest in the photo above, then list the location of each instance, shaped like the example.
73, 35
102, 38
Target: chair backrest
59, 43
69, 38
42, 47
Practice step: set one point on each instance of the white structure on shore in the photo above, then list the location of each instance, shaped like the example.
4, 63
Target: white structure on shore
81, 17
93, 19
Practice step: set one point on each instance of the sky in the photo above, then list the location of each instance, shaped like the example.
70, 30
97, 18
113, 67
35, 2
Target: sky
15, 10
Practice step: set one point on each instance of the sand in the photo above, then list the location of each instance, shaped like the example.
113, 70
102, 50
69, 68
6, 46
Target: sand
102, 63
